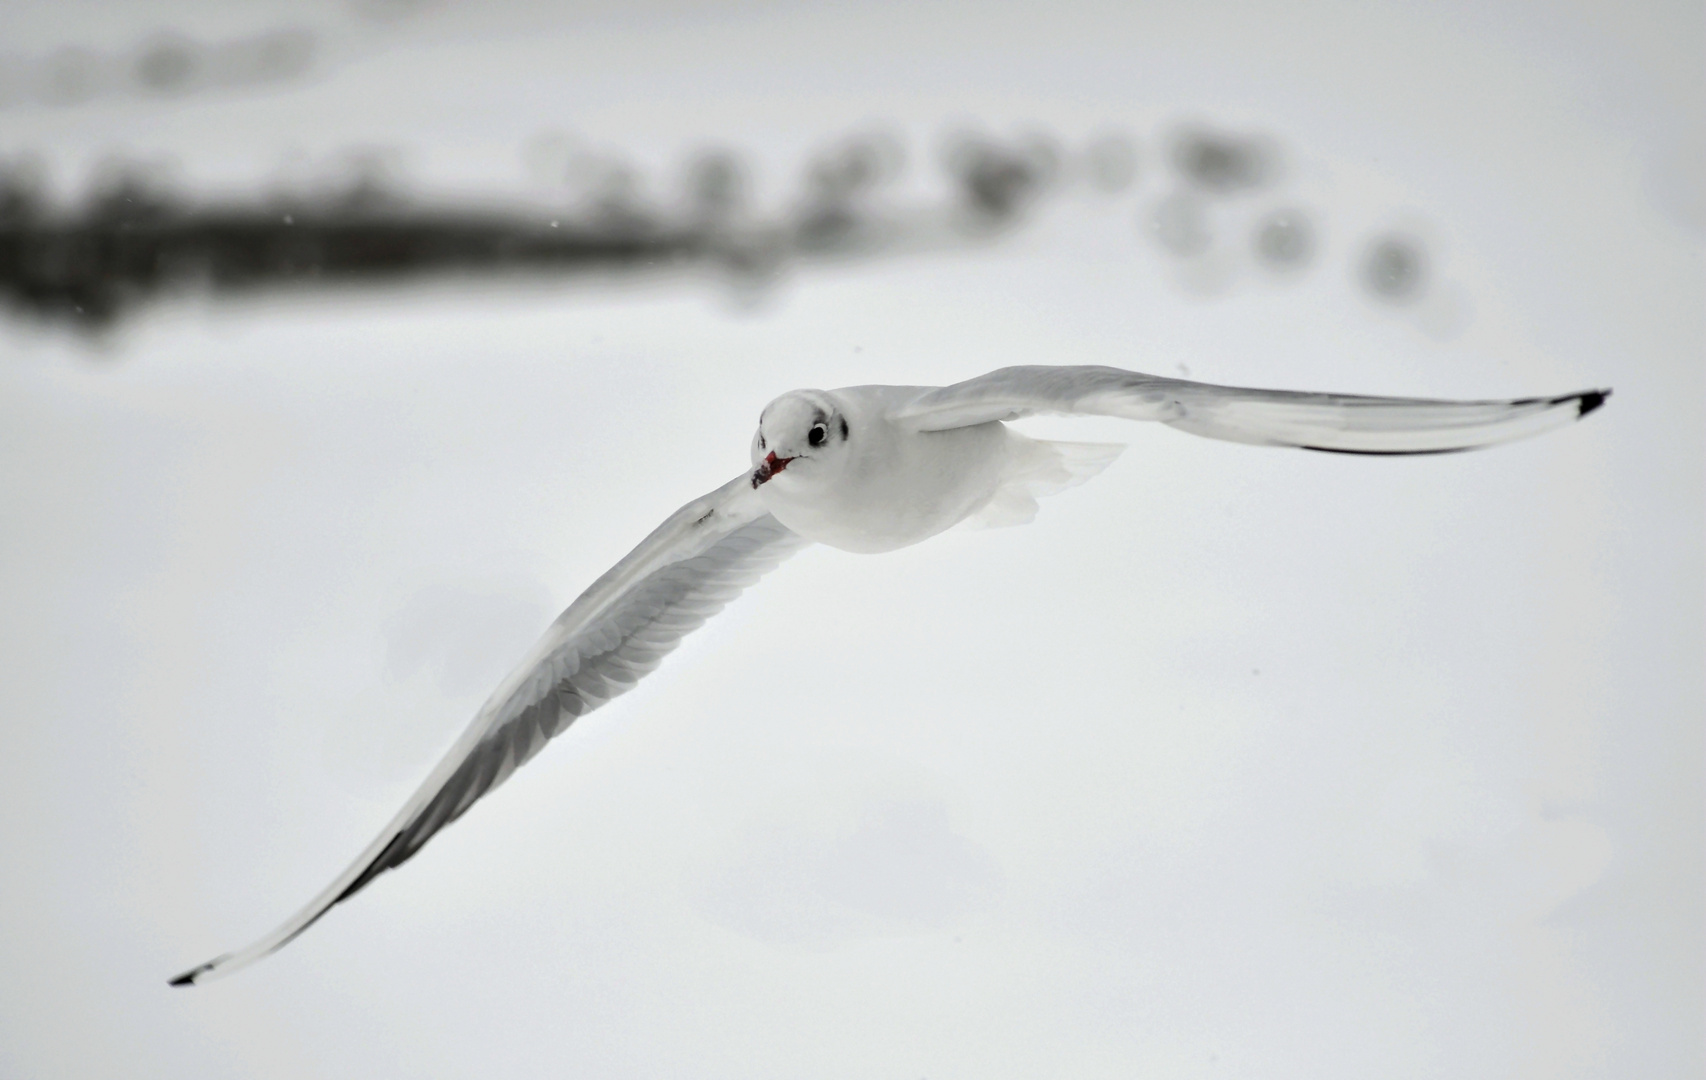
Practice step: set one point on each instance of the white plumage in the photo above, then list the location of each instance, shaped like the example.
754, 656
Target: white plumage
867, 469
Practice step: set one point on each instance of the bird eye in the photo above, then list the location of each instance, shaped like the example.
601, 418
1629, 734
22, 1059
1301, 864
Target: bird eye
761, 442
817, 434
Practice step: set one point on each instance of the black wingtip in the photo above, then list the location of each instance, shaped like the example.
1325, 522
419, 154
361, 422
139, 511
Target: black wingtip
1388, 453
1591, 400
188, 978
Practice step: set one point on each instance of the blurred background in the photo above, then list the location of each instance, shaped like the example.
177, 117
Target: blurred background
343, 343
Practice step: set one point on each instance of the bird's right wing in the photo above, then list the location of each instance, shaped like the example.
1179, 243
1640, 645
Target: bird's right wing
1343, 423
608, 639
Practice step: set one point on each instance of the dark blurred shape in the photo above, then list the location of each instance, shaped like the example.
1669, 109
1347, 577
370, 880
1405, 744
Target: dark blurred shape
1220, 163
999, 180
717, 186
604, 190
718, 198
617, 205
753, 259
857, 165
839, 183
168, 65
133, 239
1110, 162
1394, 268
22, 194
1285, 240
371, 184
1179, 224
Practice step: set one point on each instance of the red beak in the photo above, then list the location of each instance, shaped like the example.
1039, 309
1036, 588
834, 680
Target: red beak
770, 467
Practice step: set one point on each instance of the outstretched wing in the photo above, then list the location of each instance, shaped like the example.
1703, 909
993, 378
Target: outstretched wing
608, 639
1343, 423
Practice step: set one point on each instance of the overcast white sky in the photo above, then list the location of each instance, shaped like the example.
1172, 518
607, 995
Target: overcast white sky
1236, 763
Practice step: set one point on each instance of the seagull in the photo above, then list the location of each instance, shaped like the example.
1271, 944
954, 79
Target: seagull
867, 469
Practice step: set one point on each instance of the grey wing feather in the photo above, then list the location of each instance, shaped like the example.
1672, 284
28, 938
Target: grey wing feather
1342, 423
618, 631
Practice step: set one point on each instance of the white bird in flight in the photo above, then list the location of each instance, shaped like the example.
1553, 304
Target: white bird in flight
867, 469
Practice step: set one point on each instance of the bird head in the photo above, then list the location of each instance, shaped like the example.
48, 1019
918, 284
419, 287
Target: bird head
802, 432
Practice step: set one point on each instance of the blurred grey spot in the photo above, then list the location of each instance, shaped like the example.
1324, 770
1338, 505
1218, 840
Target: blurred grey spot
998, 180
1394, 268
1220, 163
1285, 240
1179, 224
839, 180
370, 180
617, 204
856, 165
168, 65
717, 186
1110, 162
610, 193
754, 260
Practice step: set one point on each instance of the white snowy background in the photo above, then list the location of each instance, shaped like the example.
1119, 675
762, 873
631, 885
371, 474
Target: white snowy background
1236, 763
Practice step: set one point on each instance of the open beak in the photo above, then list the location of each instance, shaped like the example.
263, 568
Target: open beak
769, 467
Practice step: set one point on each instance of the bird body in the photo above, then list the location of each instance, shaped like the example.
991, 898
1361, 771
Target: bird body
866, 469
889, 487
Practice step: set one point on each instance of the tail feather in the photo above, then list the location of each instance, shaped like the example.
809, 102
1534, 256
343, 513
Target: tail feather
1036, 469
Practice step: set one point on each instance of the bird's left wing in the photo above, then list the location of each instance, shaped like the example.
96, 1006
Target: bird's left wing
1343, 423
608, 639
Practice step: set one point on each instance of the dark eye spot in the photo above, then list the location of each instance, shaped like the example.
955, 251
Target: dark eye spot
843, 427
761, 442
817, 434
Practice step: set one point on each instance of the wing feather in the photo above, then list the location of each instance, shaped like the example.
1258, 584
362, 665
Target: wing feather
616, 633
1341, 423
